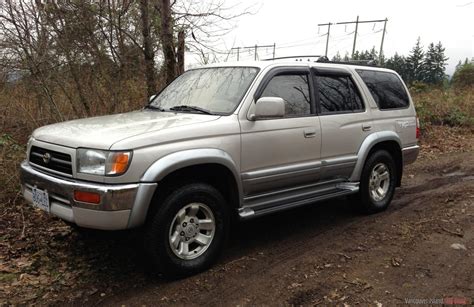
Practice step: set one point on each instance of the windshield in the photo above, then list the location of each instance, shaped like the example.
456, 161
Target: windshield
214, 90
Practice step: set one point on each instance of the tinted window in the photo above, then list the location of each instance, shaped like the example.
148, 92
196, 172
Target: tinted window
386, 89
338, 94
358, 105
294, 90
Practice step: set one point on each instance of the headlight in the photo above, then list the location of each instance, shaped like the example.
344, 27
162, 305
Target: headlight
102, 162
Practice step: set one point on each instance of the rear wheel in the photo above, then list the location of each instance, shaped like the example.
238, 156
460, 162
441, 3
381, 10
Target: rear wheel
378, 181
187, 232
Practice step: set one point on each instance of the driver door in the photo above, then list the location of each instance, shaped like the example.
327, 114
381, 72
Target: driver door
282, 153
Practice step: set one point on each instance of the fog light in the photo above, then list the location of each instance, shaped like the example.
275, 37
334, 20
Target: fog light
87, 197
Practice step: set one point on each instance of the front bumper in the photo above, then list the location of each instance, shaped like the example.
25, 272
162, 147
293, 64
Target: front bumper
121, 205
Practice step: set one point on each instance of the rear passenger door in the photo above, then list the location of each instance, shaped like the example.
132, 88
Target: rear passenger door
345, 121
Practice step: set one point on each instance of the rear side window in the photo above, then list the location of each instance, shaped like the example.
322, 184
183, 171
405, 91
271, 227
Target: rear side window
338, 94
386, 89
294, 90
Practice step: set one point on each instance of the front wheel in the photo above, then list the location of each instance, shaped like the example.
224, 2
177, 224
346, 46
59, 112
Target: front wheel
187, 232
378, 180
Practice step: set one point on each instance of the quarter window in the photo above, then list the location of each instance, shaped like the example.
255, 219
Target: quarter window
386, 88
338, 94
294, 90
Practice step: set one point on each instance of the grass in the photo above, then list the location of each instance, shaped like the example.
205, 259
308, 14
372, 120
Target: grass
445, 107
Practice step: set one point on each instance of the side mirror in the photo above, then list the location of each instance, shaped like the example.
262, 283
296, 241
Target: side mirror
152, 97
269, 107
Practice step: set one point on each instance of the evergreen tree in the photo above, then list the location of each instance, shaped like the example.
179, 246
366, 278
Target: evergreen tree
356, 56
464, 75
415, 63
429, 65
434, 64
399, 64
337, 57
346, 57
366, 55
373, 54
440, 63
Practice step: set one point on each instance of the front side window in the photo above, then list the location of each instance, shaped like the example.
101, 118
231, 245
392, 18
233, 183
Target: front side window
338, 94
386, 88
294, 90
215, 90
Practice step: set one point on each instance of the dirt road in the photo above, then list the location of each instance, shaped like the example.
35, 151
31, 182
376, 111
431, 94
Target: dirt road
328, 253
324, 253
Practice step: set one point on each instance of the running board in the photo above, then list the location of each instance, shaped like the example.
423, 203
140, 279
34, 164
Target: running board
340, 189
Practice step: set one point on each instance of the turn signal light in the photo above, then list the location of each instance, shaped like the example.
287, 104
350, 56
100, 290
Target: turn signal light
87, 197
118, 163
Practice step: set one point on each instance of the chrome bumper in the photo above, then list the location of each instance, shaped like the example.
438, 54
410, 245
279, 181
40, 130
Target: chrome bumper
410, 154
121, 206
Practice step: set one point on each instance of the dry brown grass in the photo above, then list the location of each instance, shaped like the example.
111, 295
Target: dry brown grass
25, 108
438, 106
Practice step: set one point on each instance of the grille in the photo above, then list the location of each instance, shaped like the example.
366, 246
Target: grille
50, 159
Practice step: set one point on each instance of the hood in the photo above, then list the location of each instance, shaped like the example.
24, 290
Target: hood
102, 132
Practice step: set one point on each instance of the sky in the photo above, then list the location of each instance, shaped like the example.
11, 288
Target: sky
293, 26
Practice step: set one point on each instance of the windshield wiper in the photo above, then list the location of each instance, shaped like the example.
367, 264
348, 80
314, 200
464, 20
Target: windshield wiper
190, 108
152, 107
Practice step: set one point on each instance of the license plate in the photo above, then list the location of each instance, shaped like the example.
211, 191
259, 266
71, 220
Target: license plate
40, 199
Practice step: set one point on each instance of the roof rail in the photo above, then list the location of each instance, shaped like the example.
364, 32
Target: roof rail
296, 57
357, 62
324, 59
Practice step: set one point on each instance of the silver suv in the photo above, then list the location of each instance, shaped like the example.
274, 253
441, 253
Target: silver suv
224, 140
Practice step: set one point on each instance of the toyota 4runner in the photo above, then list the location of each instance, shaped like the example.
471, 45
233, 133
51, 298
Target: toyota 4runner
226, 140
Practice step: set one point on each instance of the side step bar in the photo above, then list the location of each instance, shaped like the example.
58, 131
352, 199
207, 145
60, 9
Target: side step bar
340, 189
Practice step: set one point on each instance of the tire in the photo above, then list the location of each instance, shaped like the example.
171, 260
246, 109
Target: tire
376, 189
194, 215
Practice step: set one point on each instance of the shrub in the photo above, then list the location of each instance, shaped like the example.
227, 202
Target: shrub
451, 107
464, 76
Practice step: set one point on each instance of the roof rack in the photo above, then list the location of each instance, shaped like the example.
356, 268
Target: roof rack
324, 59
296, 57
357, 62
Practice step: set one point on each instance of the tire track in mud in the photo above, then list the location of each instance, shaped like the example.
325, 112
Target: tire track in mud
286, 255
264, 252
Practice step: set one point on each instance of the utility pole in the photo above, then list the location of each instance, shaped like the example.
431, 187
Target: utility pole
327, 38
355, 37
381, 43
357, 22
255, 50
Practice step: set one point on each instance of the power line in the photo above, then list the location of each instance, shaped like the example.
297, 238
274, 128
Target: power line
255, 48
356, 22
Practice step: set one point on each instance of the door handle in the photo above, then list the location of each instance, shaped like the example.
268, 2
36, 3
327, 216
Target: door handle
366, 127
309, 133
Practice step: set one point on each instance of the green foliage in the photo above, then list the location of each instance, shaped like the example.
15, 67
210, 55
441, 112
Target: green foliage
464, 75
419, 66
414, 63
419, 87
399, 64
456, 117
437, 106
366, 55
434, 64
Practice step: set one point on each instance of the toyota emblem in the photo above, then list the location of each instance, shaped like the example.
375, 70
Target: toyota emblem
46, 157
